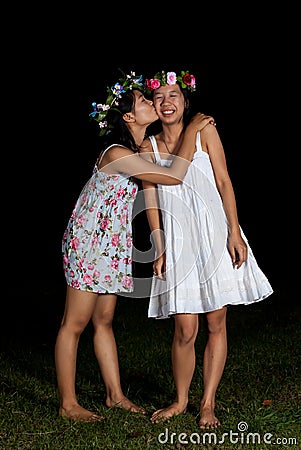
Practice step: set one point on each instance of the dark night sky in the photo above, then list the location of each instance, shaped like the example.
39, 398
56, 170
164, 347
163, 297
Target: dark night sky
53, 146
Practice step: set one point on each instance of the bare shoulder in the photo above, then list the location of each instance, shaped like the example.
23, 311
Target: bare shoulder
116, 152
210, 139
209, 130
209, 134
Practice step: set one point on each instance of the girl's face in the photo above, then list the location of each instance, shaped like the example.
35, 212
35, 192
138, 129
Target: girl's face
169, 102
144, 110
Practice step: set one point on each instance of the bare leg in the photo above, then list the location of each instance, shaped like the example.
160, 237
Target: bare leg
183, 362
213, 366
78, 311
107, 356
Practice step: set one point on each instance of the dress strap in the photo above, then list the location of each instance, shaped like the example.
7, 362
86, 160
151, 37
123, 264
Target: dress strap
155, 148
198, 142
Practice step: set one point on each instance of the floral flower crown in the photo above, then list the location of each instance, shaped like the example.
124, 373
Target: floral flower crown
100, 111
185, 80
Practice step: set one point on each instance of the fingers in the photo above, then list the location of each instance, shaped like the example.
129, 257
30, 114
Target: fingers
159, 274
239, 256
204, 119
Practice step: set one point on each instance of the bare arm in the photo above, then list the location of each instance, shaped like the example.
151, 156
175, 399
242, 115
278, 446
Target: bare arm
121, 160
212, 144
154, 220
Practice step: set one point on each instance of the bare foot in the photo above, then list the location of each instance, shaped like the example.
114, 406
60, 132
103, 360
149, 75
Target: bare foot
161, 415
127, 405
208, 420
79, 414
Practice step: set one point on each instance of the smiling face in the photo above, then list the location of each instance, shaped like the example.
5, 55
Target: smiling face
169, 102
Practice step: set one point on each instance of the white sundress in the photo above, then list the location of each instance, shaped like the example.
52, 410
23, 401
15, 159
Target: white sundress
200, 276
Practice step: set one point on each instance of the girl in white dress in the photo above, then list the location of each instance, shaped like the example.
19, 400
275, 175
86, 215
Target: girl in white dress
204, 262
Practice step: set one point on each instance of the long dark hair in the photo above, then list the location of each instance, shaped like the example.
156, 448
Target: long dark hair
120, 133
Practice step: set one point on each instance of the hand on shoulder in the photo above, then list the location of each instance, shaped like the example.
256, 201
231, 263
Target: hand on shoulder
201, 120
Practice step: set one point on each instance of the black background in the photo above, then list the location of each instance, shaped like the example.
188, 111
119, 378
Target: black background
246, 79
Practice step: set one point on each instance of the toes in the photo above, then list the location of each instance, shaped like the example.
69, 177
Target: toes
209, 425
94, 418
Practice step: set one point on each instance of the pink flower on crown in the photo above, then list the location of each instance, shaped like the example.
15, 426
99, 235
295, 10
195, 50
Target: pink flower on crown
171, 78
189, 80
152, 83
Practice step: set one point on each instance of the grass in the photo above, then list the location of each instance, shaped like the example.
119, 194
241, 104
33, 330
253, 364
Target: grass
259, 391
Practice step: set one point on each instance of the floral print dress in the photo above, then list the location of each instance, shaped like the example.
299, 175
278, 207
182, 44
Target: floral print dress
97, 243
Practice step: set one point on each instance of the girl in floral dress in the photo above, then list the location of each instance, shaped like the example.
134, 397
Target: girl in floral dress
97, 243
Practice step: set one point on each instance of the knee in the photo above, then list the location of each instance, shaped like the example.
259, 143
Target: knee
185, 336
103, 322
75, 328
216, 326
216, 321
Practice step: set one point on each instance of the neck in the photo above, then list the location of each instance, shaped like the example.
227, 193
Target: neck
138, 134
172, 133
171, 136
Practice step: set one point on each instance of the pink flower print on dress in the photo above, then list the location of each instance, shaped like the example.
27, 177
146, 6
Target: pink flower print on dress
65, 260
75, 242
75, 284
127, 281
80, 221
81, 263
129, 242
115, 239
96, 274
88, 279
104, 224
84, 198
120, 193
123, 218
114, 263
94, 241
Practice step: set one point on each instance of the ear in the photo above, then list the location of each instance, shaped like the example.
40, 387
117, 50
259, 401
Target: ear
128, 117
